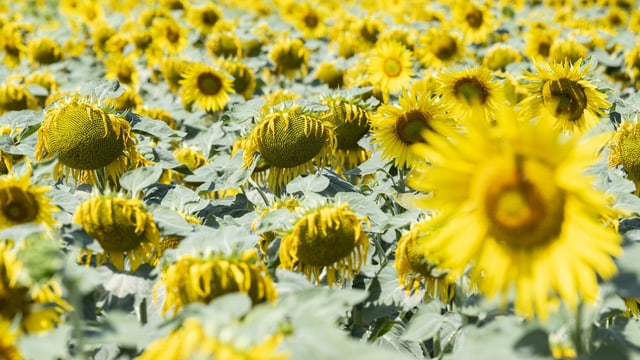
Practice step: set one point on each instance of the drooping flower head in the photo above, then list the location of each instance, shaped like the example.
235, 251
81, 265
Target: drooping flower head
206, 86
564, 94
515, 204
267, 237
87, 139
291, 57
203, 278
22, 202
124, 229
625, 150
16, 97
329, 238
44, 51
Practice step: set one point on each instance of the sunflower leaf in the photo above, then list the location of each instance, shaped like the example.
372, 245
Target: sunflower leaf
314, 183
426, 323
137, 179
246, 111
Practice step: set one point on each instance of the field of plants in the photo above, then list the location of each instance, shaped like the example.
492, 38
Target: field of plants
283, 179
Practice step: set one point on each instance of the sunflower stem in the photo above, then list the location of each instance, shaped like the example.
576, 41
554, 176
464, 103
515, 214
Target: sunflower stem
101, 178
262, 194
382, 258
578, 330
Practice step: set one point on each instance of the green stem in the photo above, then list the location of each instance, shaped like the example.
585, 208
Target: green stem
382, 258
262, 194
76, 321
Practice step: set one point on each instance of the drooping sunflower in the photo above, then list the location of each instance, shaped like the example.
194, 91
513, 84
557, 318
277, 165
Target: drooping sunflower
472, 93
416, 270
351, 120
123, 69
440, 47
202, 279
624, 150
204, 18
16, 97
515, 204
87, 140
291, 141
564, 95
396, 129
390, 67
206, 86
192, 341
476, 21
40, 306
224, 44
290, 203
44, 51
22, 202
328, 73
329, 239
291, 57
124, 229
499, 56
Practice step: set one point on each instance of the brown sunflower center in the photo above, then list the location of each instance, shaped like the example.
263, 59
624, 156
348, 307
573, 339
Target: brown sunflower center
13, 300
47, 54
209, 83
172, 34
17, 205
210, 17
311, 20
291, 59
523, 207
564, 98
411, 124
392, 67
444, 47
472, 90
544, 47
474, 18
370, 33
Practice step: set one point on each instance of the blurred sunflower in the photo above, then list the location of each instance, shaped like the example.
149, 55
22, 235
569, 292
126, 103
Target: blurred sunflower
170, 34
390, 67
476, 21
158, 114
530, 216
40, 306
564, 94
191, 341
22, 202
202, 279
416, 271
633, 306
173, 69
224, 44
624, 149
204, 18
538, 43
89, 141
367, 30
12, 44
440, 48
16, 97
9, 349
206, 86
244, 80
43, 51
124, 229
567, 50
123, 69
396, 129
499, 56
351, 120
192, 159
290, 140
472, 93
44, 79
291, 57
328, 73
310, 18
101, 32
128, 101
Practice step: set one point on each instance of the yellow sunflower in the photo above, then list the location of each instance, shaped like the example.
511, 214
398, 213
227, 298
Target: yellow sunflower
204, 18
128, 101
291, 141
244, 80
123, 69
538, 43
633, 306
440, 48
89, 142
291, 58
328, 73
310, 18
16, 97
202, 279
416, 271
40, 306
170, 34
472, 93
191, 341
224, 44
9, 350
564, 95
124, 229
390, 67
172, 70
22, 202
396, 129
205, 85
516, 205
101, 32
266, 238
12, 45
476, 21
499, 56
624, 150
567, 50
329, 239
44, 79
44, 51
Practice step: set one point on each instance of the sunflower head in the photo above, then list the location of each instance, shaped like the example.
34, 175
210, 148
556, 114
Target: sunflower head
625, 150
472, 93
291, 57
86, 138
499, 56
567, 50
330, 75
440, 47
266, 238
22, 202
202, 279
123, 227
173, 69
158, 114
390, 66
244, 80
8, 346
207, 86
204, 18
129, 100
329, 238
225, 44
44, 51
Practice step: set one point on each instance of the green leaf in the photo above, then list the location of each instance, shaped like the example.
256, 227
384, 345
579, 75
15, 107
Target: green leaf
52, 344
246, 111
313, 183
426, 323
155, 128
137, 179
103, 89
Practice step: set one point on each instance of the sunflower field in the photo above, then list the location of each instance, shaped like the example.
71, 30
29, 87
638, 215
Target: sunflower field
284, 179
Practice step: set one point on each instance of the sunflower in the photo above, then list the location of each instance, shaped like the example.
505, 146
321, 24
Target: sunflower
390, 67
288, 202
633, 306
396, 129
290, 57
89, 142
123, 227
12, 45
415, 270
310, 18
21, 202
499, 56
43, 51
204, 18
515, 204
205, 85
244, 80
158, 114
40, 306
8, 348
16, 97
192, 159
563, 94
44, 79
440, 48
170, 34
191, 341
123, 69
567, 50
624, 150
351, 120
202, 279
101, 32
290, 140
472, 93
329, 239
129, 100
224, 44
538, 43
474, 20
328, 73
173, 71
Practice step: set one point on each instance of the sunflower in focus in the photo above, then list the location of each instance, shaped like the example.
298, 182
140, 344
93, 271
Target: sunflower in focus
291, 58
88, 140
416, 271
191, 341
202, 279
291, 141
40, 306
515, 204
207, 86
124, 229
390, 67
474, 20
22, 202
328, 240
440, 48
564, 95
472, 93
396, 129
624, 150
